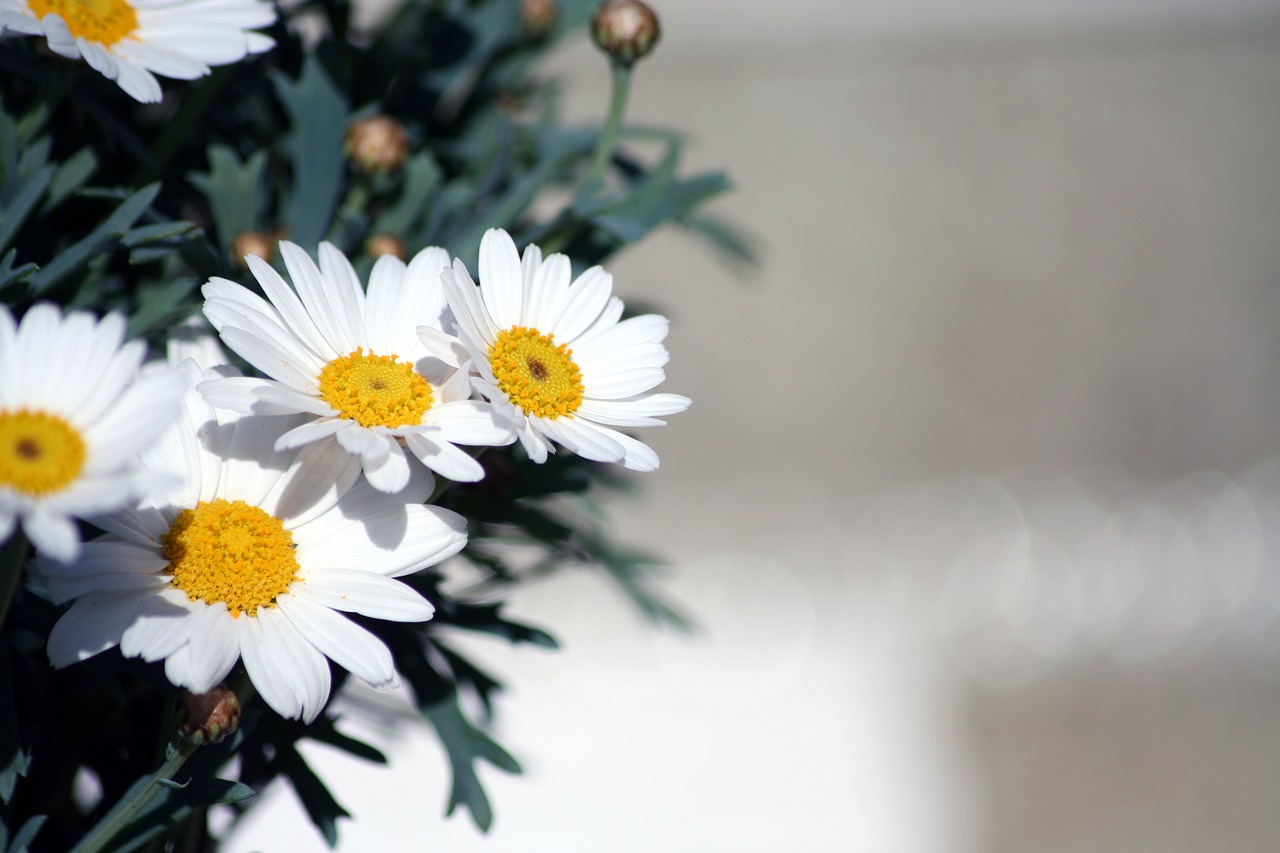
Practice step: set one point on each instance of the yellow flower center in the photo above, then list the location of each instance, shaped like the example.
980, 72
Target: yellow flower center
101, 21
231, 552
39, 453
375, 390
537, 374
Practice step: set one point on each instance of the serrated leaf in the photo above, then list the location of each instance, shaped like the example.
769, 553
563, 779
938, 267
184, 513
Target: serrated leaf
323, 731
465, 745
323, 810
318, 119
234, 190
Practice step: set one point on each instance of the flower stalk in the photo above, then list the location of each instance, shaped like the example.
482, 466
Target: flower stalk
608, 138
137, 798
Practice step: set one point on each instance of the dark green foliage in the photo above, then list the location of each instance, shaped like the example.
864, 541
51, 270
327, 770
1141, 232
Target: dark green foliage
109, 205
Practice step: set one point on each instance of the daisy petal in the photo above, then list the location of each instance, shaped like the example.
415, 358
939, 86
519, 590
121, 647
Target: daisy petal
344, 642
372, 595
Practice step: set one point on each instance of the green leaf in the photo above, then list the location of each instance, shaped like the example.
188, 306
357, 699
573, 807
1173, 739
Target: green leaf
235, 191
321, 807
323, 730
160, 301
19, 206
22, 840
172, 804
10, 274
105, 236
69, 177
14, 758
421, 180
318, 120
465, 745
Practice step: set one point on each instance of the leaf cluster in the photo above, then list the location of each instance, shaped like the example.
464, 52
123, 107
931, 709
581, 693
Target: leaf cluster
110, 205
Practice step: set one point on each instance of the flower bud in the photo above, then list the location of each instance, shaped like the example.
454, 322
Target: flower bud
385, 244
538, 16
625, 29
207, 718
377, 145
251, 243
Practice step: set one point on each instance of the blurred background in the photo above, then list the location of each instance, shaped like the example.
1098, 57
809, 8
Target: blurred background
978, 504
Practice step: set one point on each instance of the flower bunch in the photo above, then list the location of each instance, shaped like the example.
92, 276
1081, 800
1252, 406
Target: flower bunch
332, 428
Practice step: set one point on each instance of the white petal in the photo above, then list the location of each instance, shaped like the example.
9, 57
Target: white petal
362, 441
382, 303
260, 397
160, 626
309, 432
93, 625
366, 593
388, 538
325, 307
268, 358
534, 444
252, 465
445, 459
548, 293
633, 411
391, 472
213, 648
501, 278
624, 383
586, 440
475, 326
346, 643
320, 475
54, 536
442, 345
589, 295
472, 422
347, 295
300, 663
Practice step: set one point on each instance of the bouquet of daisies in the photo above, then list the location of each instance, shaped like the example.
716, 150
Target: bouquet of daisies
292, 312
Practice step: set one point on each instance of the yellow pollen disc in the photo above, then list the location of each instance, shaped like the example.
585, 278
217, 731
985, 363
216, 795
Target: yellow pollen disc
102, 21
375, 390
39, 453
231, 552
537, 374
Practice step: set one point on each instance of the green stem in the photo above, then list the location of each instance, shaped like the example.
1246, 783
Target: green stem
608, 138
11, 558
135, 800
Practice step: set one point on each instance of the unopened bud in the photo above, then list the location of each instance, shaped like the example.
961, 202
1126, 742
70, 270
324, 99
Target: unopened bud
251, 243
377, 145
538, 16
207, 718
385, 244
625, 29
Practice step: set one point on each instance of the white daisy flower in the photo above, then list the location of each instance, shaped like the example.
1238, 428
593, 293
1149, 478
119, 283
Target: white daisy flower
128, 40
253, 557
554, 357
73, 414
355, 363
